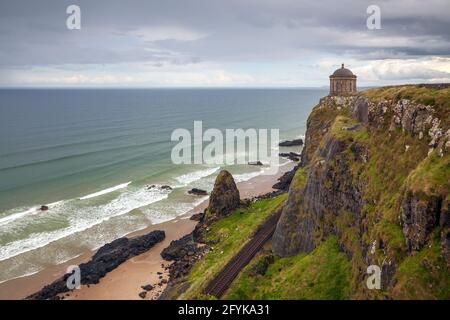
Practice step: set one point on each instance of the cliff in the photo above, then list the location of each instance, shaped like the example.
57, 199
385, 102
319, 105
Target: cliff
375, 175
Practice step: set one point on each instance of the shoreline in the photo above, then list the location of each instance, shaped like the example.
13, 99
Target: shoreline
125, 281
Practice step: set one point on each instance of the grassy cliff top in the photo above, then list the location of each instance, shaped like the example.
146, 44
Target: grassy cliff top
437, 96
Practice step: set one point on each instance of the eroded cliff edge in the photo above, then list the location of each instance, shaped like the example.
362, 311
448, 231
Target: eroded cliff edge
375, 174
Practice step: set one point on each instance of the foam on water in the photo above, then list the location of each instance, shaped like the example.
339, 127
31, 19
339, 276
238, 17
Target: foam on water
190, 177
22, 276
106, 191
30, 211
83, 218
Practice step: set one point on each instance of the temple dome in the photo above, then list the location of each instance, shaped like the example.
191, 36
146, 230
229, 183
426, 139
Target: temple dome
342, 72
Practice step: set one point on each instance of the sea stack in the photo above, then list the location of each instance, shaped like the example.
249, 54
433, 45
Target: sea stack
225, 195
223, 200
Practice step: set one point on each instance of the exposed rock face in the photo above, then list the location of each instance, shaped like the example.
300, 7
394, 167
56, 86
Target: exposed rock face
285, 180
420, 215
223, 200
361, 110
179, 248
294, 229
197, 216
184, 253
445, 233
356, 190
225, 195
417, 119
107, 258
329, 189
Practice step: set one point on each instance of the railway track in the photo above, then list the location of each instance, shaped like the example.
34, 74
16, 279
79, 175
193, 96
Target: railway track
223, 280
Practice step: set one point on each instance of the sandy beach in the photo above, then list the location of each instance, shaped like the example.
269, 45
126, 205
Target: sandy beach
125, 281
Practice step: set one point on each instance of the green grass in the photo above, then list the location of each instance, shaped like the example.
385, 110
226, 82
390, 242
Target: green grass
423, 275
432, 175
299, 180
227, 236
324, 273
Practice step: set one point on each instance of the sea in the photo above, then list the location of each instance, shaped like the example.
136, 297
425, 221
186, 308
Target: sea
92, 155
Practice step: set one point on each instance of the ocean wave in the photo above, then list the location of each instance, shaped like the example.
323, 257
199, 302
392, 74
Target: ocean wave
30, 211
188, 178
242, 177
105, 191
23, 275
79, 155
84, 219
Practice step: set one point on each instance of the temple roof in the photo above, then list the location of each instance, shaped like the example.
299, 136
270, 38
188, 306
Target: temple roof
343, 72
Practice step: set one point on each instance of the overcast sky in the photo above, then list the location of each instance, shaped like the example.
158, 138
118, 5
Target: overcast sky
251, 43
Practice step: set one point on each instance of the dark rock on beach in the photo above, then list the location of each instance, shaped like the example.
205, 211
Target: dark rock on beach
198, 192
291, 156
197, 216
184, 253
285, 180
291, 143
43, 208
147, 287
106, 259
179, 248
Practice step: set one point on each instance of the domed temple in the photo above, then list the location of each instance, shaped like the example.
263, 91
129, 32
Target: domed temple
342, 82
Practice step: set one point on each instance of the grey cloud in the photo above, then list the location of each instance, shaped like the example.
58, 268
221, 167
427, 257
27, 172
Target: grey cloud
33, 33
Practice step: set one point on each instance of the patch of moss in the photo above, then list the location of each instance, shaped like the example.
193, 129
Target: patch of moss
323, 274
423, 275
431, 176
299, 180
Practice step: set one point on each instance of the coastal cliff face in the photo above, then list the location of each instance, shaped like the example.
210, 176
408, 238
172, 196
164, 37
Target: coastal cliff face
375, 174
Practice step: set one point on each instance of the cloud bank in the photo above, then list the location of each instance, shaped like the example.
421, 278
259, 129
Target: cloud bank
221, 43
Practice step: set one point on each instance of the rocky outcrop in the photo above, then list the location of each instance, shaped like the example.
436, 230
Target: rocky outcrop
198, 192
224, 196
106, 259
197, 216
223, 200
293, 156
330, 189
285, 180
179, 248
360, 110
420, 215
291, 143
184, 253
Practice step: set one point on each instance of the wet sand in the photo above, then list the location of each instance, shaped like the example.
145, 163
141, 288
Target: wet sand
125, 281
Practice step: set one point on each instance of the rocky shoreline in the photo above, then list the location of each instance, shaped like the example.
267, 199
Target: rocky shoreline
107, 258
